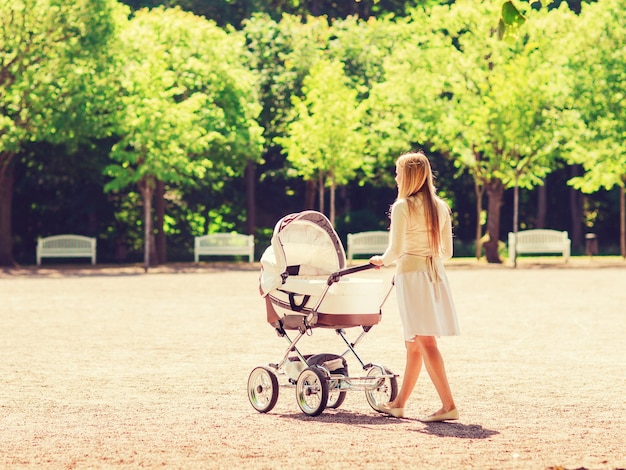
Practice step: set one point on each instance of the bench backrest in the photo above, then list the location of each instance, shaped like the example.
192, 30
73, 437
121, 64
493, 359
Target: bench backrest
224, 244
225, 240
540, 237
67, 242
365, 243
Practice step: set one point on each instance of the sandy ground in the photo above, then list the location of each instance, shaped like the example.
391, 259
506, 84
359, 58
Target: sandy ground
113, 368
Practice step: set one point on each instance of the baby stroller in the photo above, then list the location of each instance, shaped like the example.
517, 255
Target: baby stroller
306, 285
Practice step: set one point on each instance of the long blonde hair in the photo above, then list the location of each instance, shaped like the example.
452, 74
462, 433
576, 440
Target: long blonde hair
415, 177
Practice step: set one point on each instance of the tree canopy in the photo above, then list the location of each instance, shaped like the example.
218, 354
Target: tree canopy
599, 73
189, 122
188, 107
54, 81
324, 140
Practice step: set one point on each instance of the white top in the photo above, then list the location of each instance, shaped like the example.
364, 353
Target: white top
409, 235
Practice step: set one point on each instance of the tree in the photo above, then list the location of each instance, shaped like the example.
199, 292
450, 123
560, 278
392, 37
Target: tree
281, 55
54, 81
189, 107
493, 104
522, 110
324, 140
598, 61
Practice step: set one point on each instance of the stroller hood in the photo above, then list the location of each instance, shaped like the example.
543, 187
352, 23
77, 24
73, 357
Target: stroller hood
304, 243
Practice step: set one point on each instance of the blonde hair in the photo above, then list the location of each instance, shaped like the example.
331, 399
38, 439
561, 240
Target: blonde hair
415, 177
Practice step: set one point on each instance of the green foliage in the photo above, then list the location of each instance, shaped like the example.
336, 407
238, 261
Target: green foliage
281, 54
362, 47
510, 22
55, 74
189, 106
500, 107
53, 70
324, 138
339, 99
405, 109
598, 63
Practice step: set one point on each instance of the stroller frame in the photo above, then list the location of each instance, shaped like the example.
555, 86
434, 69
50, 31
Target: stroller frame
317, 386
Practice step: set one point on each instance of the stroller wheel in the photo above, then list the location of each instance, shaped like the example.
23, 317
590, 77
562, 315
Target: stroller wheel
262, 389
312, 391
336, 396
381, 390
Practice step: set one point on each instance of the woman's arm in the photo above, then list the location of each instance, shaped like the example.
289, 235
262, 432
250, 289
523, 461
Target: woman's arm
397, 233
446, 235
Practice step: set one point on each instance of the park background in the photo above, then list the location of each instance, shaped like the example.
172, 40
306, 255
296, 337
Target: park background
224, 124
149, 123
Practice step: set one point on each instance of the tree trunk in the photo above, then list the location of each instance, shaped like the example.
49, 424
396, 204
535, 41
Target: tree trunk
622, 217
515, 216
542, 206
320, 190
6, 204
251, 197
495, 190
309, 196
479, 189
146, 187
332, 202
159, 209
345, 200
576, 212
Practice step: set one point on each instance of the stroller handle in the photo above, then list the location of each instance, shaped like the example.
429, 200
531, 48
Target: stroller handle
334, 277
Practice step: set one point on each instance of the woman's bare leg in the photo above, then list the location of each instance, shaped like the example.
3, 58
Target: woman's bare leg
433, 361
412, 370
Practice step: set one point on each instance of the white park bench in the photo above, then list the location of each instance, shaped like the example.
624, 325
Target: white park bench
539, 241
220, 244
66, 246
367, 243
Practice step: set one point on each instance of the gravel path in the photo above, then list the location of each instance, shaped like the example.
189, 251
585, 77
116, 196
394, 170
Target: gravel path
113, 368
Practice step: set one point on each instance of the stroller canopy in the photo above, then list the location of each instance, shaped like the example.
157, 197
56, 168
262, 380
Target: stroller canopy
305, 244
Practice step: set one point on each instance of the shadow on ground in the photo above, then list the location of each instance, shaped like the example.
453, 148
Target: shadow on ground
458, 430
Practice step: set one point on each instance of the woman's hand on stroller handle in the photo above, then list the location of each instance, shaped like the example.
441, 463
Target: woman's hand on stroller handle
377, 261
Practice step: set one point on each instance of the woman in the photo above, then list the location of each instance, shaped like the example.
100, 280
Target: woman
420, 239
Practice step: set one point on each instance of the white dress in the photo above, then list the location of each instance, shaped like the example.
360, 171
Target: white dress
424, 298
